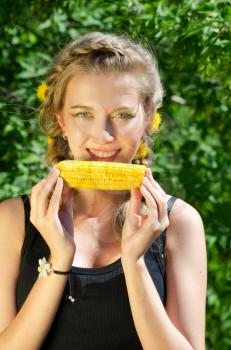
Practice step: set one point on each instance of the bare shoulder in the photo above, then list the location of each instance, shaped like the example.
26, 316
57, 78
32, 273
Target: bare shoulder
183, 216
11, 241
185, 233
12, 223
186, 272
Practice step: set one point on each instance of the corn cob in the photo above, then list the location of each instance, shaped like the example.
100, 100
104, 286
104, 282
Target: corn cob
101, 175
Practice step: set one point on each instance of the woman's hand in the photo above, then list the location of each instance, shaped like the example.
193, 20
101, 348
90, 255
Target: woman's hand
52, 219
140, 230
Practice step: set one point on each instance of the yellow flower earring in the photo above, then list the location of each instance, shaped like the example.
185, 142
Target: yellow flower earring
143, 149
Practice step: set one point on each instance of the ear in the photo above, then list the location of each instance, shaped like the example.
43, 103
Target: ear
59, 117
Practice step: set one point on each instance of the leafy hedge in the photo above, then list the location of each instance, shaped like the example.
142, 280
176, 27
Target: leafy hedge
192, 41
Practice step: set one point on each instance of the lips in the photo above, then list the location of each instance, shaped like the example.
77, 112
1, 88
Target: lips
102, 150
108, 159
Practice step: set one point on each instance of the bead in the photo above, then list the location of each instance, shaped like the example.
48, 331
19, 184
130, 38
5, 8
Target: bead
71, 299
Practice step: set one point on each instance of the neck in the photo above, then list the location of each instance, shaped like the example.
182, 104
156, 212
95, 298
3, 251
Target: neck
98, 203
95, 209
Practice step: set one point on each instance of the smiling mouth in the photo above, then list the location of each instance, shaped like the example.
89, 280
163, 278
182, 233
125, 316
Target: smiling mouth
102, 158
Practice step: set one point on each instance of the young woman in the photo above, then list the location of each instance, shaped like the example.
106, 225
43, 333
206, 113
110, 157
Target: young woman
126, 274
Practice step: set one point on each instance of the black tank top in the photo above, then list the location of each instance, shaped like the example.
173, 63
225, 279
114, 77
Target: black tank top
100, 318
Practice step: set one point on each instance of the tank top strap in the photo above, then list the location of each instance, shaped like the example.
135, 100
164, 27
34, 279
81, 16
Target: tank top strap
170, 203
26, 204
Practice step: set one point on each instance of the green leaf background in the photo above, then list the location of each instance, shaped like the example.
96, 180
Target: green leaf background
192, 41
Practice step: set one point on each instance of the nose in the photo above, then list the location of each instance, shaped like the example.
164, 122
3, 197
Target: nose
102, 131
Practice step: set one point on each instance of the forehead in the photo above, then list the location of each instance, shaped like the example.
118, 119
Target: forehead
104, 89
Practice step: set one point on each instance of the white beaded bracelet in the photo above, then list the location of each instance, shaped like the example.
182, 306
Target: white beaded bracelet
45, 268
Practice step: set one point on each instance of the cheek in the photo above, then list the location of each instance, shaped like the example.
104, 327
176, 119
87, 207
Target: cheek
77, 132
132, 131
129, 145
76, 139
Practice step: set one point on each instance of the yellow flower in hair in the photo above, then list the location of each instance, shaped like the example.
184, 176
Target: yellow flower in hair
49, 140
142, 151
41, 91
157, 121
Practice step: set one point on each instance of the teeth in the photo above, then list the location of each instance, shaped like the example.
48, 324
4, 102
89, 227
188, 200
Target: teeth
104, 154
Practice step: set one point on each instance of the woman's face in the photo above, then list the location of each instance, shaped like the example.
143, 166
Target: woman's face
102, 111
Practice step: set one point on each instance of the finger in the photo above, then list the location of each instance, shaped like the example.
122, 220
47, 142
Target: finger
151, 184
135, 201
161, 202
45, 192
152, 205
154, 182
34, 199
53, 207
37, 214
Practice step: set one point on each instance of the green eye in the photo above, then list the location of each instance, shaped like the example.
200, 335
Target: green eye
126, 116
83, 113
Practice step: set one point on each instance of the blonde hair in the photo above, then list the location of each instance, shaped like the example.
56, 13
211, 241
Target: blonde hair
101, 52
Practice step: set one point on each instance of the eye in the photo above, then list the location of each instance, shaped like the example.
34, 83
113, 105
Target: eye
81, 113
84, 115
125, 115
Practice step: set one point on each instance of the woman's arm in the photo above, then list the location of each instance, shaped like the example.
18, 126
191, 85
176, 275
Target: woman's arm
181, 326
31, 325
27, 329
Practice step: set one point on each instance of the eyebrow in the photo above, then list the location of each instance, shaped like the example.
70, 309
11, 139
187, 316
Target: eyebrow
91, 109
